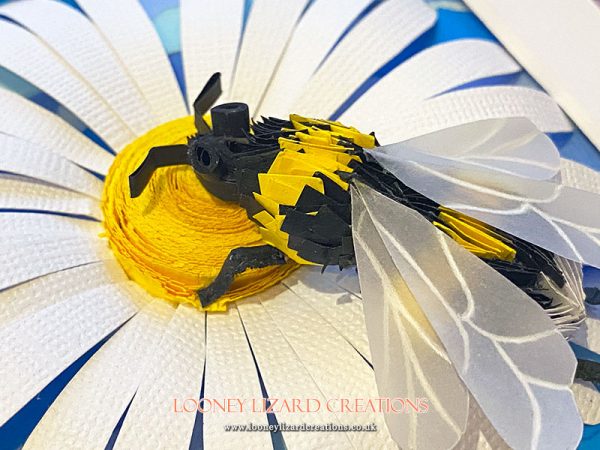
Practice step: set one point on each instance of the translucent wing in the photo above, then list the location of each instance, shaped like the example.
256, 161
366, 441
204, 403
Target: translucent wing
500, 342
509, 194
409, 359
511, 145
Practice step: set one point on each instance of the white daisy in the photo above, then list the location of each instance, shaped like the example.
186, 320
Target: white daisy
64, 289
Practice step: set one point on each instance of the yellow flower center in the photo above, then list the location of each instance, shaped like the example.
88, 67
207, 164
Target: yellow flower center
173, 239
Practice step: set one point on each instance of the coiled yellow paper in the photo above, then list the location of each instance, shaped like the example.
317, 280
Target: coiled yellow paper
173, 239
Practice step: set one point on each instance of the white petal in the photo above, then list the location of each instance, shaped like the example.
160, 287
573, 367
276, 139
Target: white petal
77, 41
175, 372
231, 373
22, 195
25, 260
210, 36
131, 34
470, 105
24, 119
579, 176
342, 310
29, 58
376, 39
33, 296
286, 377
316, 33
559, 45
39, 347
337, 368
24, 158
266, 34
428, 73
17, 224
89, 408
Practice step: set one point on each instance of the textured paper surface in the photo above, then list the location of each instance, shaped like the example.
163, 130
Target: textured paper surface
286, 376
87, 411
317, 32
231, 373
210, 37
27, 259
24, 119
175, 370
470, 105
82, 48
559, 45
430, 72
28, 57
35, 295
384, 33
24, 158
579, 176
19, 194
266, 33
342, 310
40, 346
17, 224
131, 34
327, 355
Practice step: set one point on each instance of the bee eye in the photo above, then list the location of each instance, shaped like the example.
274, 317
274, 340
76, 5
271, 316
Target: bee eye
207, 160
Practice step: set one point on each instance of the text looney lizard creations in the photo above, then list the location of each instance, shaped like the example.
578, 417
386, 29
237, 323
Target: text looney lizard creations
297, 405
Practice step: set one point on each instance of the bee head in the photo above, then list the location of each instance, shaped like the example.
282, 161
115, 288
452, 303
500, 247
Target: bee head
213, 155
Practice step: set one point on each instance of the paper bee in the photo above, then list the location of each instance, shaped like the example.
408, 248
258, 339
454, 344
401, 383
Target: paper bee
456, 236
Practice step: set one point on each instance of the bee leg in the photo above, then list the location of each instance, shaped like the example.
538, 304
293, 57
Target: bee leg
168, 155
238, 260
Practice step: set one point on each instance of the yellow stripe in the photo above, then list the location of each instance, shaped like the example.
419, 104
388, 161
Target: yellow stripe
480, 236
286, 189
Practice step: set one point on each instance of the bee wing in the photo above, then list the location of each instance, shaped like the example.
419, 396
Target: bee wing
502, 345
408, 357
559, 218
512, 146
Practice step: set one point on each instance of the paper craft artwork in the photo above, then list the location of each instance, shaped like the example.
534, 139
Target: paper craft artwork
263, 247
